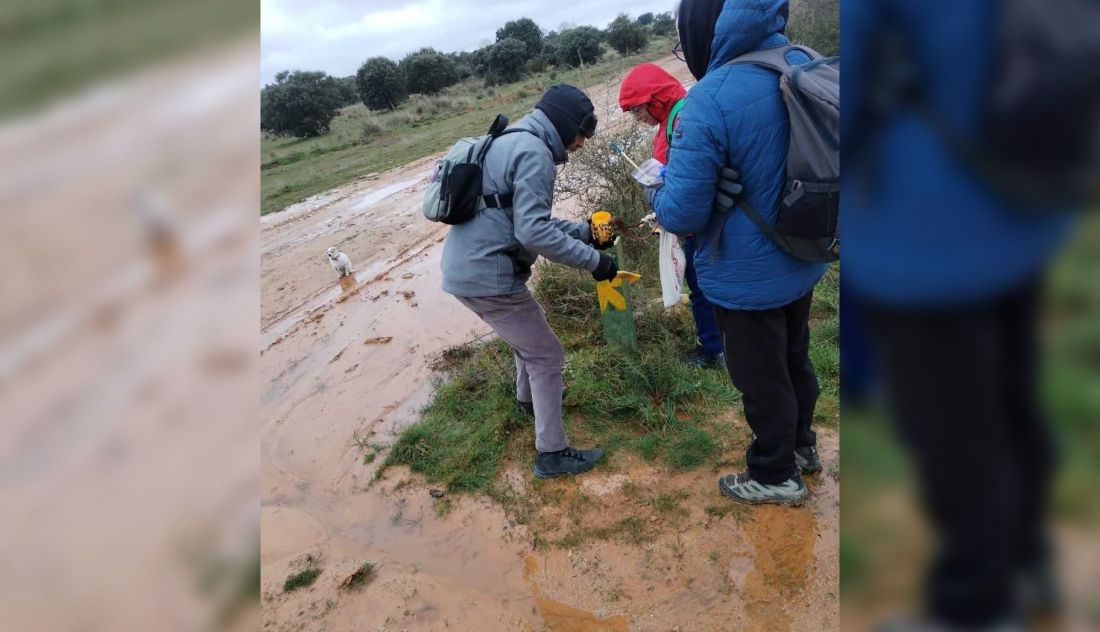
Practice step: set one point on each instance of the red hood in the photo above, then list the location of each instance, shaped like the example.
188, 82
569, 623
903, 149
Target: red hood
649, 83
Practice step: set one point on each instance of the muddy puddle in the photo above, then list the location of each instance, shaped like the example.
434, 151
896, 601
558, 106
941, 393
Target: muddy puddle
559, 617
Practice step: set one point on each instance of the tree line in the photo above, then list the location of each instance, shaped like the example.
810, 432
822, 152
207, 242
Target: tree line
303, 103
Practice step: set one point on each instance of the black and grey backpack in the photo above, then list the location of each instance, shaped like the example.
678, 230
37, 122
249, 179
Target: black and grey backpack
453, 195
808, 223
1037, 137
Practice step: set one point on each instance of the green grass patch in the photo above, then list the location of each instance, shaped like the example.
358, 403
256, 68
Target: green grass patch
442, 506
671, 504
301, 579
630, 530
53, 48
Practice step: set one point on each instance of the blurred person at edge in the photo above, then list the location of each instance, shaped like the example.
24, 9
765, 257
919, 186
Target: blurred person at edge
949, 264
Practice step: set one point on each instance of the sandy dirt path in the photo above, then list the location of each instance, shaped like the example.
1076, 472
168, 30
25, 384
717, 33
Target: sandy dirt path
349, 364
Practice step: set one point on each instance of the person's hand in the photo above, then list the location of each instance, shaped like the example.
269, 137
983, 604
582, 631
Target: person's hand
650, 192
729, 189
606, 269
651, 221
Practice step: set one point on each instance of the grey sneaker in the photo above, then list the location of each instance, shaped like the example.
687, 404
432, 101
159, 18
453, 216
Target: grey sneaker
742, 488
807, 460
529, 407
567, 461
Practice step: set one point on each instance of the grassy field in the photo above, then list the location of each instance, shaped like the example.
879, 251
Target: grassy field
647, 403
362, 142
55, 47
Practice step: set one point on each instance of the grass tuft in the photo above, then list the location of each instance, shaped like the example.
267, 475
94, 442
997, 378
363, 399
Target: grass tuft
360, 578
301, 579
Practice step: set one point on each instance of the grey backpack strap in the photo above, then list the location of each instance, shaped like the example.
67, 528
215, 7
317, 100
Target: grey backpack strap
756, 218
775, 58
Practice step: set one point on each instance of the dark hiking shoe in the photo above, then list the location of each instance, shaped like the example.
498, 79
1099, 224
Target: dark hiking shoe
529, 407
696, 359
742, 488
807, 460
567, 461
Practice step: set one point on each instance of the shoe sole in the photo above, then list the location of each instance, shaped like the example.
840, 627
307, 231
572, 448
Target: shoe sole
752, 501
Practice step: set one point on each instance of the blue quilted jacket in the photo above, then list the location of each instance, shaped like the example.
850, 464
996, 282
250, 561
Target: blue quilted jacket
735, 116
920, 228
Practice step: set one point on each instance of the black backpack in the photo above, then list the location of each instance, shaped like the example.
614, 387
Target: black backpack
1039, 139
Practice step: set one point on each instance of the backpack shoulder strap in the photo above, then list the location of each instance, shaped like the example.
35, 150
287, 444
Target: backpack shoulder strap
512, 130
499, 200
670, 124
775, 58
487, 140
751, 213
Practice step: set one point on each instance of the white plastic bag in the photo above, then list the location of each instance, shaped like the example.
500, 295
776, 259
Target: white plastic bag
673, 266
650, 172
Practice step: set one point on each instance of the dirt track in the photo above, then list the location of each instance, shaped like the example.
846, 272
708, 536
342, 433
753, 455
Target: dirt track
353, 360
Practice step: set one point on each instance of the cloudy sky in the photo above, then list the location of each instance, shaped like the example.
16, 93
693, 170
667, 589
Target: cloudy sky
337, 37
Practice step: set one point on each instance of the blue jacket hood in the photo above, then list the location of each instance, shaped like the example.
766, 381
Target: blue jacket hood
747, 25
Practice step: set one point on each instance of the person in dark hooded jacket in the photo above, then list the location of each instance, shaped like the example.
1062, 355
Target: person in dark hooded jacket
735, 117
654, 97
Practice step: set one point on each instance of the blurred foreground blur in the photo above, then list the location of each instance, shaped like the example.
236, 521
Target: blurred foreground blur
971, 335
129, 180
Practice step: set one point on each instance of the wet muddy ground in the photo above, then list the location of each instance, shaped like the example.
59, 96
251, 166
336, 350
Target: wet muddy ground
347, 364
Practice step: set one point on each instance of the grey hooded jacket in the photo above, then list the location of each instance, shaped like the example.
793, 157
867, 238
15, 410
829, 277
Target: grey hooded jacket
492, 254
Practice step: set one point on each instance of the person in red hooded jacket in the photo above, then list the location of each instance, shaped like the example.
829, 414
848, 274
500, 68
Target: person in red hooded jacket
653, 97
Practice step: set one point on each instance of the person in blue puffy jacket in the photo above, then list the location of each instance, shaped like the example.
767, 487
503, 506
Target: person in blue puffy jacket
735, 117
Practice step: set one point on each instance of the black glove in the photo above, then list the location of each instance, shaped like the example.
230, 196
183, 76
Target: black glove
729, 189
650, 192
606, 269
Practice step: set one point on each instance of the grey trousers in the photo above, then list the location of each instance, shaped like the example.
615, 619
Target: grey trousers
520, 321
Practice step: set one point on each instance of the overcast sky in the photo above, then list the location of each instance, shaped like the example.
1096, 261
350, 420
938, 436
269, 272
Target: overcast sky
337, 37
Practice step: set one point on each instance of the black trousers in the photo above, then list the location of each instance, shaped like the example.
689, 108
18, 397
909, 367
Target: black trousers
768, 358
962, 384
